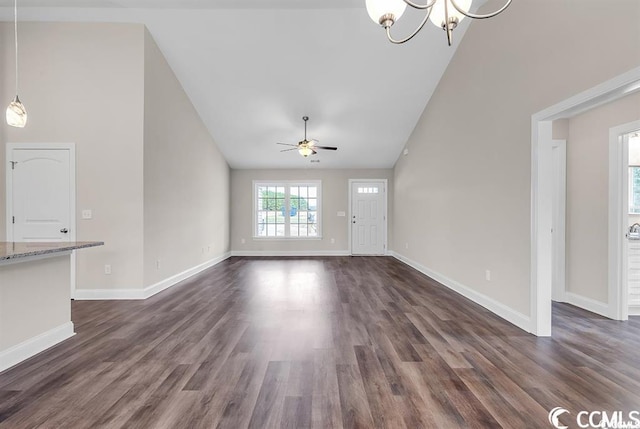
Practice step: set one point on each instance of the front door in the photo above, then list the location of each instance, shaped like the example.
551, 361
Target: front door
368, 217
39, 194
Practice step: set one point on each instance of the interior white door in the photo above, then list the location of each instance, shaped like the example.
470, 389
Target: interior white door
40, 194
368, 218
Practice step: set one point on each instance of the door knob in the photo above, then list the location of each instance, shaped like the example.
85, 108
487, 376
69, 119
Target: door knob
64, 230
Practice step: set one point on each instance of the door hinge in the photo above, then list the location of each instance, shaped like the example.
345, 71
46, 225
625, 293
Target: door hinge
13, 164
13, 219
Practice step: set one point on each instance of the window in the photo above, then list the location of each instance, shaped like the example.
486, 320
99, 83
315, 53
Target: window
370, 190
287, 209
634, 190
634, 173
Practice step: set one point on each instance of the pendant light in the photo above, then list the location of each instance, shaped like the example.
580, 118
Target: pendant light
16, 113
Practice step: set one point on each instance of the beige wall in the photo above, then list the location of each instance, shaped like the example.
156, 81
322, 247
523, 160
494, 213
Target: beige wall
83, 84
462, 195
335, 198
588, 195
34, 300
186, 179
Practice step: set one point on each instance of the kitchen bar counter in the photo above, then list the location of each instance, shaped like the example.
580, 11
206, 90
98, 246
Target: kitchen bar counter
35, 297
10, 250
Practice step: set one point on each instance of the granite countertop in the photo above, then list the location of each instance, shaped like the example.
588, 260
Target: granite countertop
10, 250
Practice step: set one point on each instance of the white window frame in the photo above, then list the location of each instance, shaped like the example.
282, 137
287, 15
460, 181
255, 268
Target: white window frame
287, 219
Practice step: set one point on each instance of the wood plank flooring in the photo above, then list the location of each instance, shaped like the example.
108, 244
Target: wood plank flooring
318, 343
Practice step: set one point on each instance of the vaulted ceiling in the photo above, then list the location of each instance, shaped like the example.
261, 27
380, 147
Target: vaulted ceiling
253, 68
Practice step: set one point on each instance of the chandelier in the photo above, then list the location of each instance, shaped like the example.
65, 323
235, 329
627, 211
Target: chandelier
445, 14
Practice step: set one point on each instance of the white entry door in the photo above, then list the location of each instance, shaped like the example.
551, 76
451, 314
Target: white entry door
368, 217
40, 183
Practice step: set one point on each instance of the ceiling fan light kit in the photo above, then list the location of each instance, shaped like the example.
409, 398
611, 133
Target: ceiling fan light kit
16, 112
445, 14
306, 147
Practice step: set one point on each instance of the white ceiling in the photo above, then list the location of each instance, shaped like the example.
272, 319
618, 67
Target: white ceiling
253, 68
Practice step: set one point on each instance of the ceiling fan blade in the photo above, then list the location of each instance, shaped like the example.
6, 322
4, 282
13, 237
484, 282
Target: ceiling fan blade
287, 144
287, 150
325, 147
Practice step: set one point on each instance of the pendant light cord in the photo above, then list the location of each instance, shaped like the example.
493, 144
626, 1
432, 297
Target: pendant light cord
15, 37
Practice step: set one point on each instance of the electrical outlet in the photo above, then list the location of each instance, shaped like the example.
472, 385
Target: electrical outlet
487, 275
107, 269
406, 245
157, 264
242, 241
87, 214
333, 241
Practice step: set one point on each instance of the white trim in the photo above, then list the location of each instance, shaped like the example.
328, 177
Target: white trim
71, 147
588, 304
634, 310
35, 345
507, 313
559, 153
108, 294
385, 183
300, 253
541, 272
149, 291
619, 218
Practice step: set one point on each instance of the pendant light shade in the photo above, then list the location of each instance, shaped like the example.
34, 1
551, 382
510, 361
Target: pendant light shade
305, 151
16, 112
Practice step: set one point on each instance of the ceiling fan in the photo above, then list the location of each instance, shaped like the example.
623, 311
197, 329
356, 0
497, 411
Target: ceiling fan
306, 147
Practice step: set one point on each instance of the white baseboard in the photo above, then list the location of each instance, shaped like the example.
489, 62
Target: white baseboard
588, 304
290, 253
35, 345
132, 294
507, 313
108, 294
149, 291
634, 310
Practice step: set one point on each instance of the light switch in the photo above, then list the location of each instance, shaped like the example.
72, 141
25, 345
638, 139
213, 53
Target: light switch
342, 214
87, 214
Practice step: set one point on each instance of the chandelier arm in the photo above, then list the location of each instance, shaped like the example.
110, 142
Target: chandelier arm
476, 16
412, 35
420, 6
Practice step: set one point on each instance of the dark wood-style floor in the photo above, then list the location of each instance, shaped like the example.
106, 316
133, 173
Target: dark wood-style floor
318, 342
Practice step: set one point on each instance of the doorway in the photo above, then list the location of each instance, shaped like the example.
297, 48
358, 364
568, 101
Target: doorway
624, 203
40, 194
542, 185
368, 217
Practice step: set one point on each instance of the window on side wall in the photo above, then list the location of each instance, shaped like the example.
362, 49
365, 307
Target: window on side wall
287, 209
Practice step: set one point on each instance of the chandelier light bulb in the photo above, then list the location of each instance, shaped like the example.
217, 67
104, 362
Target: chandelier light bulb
437, 13
385, 12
